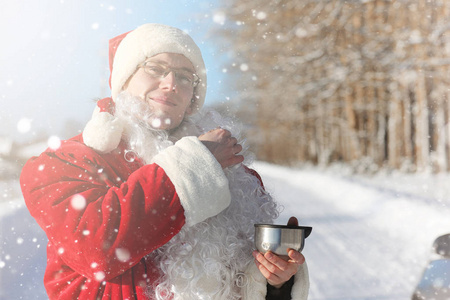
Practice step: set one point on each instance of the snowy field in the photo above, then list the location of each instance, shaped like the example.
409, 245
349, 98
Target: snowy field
371, 237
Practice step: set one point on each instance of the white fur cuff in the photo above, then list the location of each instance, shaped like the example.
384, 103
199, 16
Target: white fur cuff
198, 178
300, 289
256, 287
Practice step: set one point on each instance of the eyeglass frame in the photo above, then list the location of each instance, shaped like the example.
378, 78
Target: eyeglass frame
167, 71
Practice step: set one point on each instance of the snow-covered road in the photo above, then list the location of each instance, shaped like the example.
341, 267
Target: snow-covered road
371, 238
368, 241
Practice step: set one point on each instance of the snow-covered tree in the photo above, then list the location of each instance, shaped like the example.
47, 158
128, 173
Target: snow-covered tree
354, 81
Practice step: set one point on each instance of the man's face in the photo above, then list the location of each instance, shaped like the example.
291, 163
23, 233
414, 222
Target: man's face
168, 95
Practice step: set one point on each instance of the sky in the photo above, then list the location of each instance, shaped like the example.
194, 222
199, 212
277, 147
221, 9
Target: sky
54, 55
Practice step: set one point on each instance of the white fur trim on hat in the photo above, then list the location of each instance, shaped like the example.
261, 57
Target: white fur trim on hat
198, 178
103, 132
149, 40
256, 287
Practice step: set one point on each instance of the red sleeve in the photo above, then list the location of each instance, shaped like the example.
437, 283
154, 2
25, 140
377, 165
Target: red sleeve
102, 217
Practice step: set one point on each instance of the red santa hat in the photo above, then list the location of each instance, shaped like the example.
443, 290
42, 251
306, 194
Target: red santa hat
126, 51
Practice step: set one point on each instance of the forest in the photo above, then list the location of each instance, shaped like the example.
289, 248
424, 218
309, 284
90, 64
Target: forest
359, 82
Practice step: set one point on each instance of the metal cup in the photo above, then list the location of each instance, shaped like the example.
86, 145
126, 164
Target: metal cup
279, 238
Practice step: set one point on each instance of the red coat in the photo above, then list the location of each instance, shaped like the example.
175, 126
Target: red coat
102, 216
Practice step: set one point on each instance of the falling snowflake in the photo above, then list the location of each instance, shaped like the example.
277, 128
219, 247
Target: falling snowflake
261, 15
219, 17
244, 67
156, 123
99, 276
24, 125
78, 202
123, 254
54, 142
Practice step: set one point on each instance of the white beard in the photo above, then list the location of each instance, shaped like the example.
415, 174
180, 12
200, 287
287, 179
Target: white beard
207, 260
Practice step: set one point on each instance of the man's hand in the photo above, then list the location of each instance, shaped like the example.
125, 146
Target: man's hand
223, 146
278, 270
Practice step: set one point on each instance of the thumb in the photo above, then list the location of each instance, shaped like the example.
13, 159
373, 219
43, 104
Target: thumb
293, 221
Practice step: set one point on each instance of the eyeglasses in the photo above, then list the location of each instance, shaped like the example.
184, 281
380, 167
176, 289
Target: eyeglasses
182, 77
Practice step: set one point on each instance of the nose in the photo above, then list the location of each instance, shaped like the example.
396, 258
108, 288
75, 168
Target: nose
168, 81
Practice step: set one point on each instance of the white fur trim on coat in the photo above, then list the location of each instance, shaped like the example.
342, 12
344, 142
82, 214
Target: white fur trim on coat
256, 287
103, 132
198, 178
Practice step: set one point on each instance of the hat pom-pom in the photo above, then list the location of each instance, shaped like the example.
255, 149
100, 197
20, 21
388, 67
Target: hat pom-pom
103, 132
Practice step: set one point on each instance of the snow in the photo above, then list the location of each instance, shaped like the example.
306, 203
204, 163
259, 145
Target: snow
371, 236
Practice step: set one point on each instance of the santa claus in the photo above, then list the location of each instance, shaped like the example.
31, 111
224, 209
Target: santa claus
154, 199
